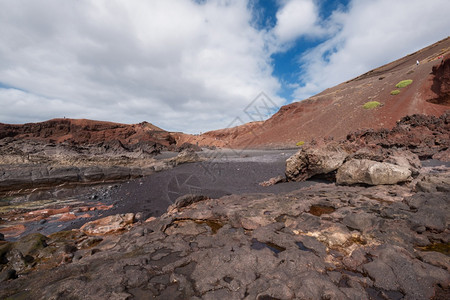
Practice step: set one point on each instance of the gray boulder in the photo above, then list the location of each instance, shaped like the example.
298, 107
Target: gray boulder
310, 161
371, 172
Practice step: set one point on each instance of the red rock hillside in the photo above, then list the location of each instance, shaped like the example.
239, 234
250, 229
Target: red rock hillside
339, 110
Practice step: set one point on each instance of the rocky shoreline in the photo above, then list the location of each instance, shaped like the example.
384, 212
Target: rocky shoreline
324, 241
377, 230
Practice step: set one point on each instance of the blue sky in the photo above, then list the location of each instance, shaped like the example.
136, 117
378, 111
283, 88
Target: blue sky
286, 63
194, 66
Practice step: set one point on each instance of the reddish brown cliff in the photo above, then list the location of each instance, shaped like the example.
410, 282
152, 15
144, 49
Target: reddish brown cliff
81, 131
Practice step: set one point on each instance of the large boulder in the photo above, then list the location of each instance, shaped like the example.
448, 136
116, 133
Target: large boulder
310, 161
371, 172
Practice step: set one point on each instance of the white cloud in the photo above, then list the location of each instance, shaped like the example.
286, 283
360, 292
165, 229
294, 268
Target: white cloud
179, 64
297, 18
372, 33
188, 65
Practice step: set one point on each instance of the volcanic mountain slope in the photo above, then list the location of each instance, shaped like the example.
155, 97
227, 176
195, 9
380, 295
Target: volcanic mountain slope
340, 110
81, 132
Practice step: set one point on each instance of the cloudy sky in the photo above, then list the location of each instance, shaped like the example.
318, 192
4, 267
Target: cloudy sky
193, 66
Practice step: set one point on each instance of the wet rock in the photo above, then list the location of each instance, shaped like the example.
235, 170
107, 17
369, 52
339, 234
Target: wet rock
310, 161
370, 172
108, 224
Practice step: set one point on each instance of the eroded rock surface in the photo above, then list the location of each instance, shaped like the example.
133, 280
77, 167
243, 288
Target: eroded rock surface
320, 242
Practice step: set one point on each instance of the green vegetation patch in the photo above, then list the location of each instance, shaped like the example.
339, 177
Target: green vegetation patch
404, 83
371, 105
395, 92
301, 143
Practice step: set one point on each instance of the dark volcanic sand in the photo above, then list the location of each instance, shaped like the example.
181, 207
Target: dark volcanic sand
233, 173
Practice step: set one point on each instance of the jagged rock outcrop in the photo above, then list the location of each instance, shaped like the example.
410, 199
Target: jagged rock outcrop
376, 157
426, 136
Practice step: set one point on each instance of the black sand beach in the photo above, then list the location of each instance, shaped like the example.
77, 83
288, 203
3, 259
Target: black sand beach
225, 172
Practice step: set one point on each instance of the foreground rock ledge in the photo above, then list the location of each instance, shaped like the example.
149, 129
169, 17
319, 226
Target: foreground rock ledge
321, 242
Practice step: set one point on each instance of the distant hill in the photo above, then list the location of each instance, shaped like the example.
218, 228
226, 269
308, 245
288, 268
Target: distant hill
340, 110
82, 131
